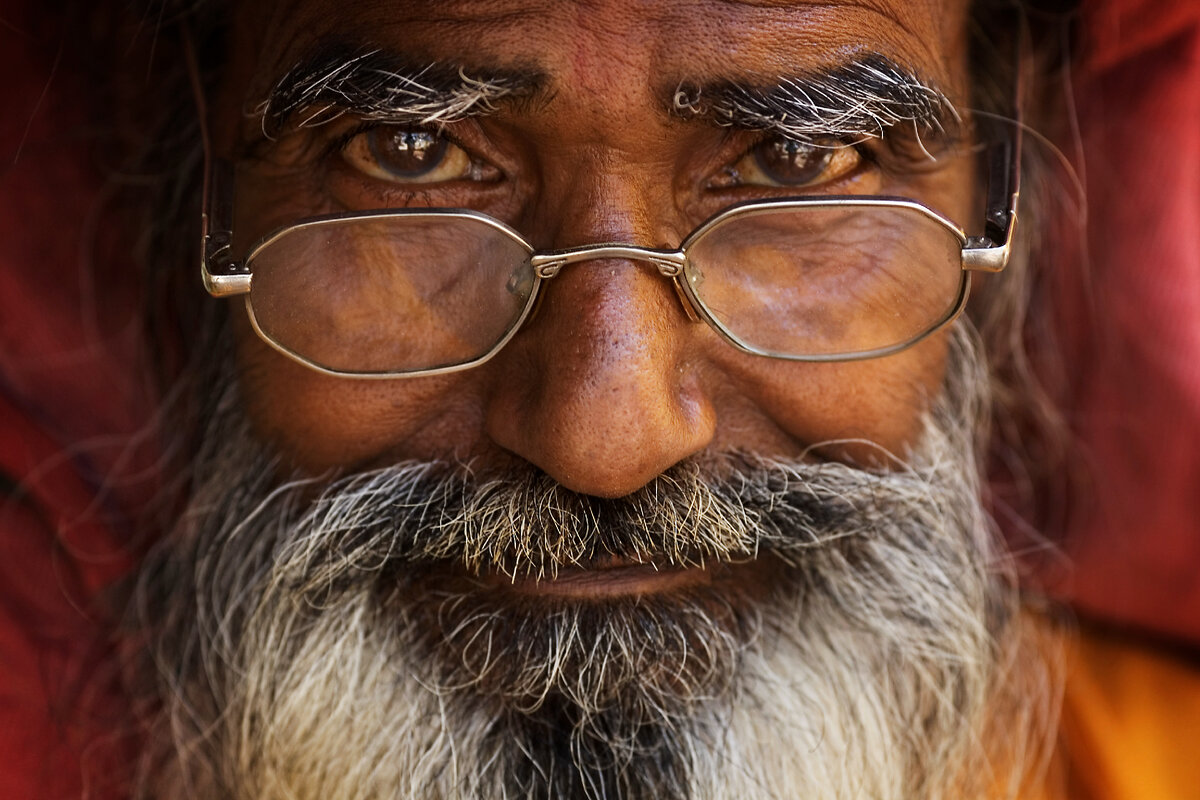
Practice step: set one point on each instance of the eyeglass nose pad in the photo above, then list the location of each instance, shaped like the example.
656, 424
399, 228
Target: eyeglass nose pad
537, 306
688, 307
521, 280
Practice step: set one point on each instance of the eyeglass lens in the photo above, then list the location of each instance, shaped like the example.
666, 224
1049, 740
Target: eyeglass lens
390, 294
826, 280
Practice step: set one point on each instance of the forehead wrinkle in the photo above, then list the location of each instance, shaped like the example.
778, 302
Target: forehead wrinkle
910, 32
931, 9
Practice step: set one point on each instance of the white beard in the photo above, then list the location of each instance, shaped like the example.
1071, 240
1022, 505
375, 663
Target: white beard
288, 667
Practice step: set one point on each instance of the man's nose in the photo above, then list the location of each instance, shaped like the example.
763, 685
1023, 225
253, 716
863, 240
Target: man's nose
599, 389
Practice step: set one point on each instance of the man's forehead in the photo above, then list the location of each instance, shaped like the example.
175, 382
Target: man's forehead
587, 45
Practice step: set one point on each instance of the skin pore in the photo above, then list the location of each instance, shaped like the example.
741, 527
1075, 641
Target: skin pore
610, 383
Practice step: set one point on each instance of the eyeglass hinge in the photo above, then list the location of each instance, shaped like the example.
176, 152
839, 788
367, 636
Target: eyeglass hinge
667, 267
982, 255
231, 276
547, 269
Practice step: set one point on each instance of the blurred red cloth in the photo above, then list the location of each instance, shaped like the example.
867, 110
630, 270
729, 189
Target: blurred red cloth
74, 402
1129, 319
74, 410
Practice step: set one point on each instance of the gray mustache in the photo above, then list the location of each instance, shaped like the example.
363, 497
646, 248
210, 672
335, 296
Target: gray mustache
529, 526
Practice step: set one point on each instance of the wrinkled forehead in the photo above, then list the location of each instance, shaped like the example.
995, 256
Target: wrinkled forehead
597, 47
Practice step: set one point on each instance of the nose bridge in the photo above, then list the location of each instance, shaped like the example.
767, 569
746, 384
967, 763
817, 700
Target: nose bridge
604, 196
592, 390
603, 282
610, 210
605, 301
594, 393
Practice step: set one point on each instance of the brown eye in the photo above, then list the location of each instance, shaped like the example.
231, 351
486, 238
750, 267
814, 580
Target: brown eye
406, 155
784, 162
791, 163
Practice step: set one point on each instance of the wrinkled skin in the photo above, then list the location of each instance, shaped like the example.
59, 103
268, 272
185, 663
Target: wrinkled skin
610, 383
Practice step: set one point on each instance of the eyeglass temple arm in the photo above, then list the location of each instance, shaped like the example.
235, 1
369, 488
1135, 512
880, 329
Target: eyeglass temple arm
990, 252
222, 274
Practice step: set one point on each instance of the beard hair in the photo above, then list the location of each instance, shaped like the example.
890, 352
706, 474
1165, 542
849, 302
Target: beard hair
354, 639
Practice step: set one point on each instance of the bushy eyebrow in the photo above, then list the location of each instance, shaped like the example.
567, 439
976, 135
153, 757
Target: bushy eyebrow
859, 100
374, 85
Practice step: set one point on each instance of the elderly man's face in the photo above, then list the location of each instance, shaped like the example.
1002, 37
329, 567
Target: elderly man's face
610, 383
622, 557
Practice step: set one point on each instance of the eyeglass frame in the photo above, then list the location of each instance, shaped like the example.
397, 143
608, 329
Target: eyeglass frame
225, 276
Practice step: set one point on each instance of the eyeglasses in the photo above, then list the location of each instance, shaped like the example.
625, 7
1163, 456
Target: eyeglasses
407, 292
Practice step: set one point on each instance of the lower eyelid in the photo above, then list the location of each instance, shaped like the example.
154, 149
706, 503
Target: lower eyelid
350, 189
864, 180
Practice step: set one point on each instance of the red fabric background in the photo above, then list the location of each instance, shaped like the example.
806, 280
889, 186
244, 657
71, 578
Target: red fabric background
71, 399
73, 409
1134, 372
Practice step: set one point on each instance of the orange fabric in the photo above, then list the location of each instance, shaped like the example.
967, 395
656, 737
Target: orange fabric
1130, 720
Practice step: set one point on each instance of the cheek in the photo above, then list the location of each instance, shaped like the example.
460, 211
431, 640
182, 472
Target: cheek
882, 401
318, 422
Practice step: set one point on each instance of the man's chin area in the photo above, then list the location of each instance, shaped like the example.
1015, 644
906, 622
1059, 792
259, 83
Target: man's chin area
590, 680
